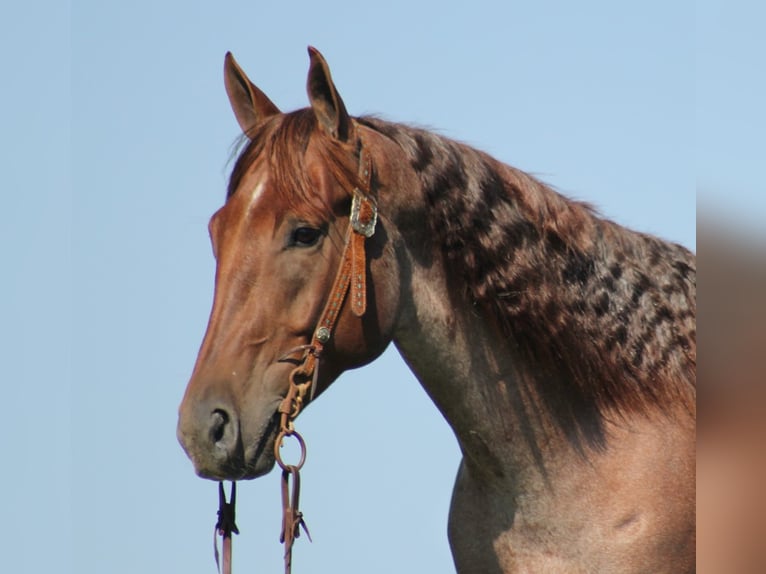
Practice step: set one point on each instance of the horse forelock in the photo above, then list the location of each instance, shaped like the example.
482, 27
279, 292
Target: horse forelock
604, 316
281, 143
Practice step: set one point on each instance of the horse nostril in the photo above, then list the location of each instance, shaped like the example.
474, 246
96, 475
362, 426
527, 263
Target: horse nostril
219, 420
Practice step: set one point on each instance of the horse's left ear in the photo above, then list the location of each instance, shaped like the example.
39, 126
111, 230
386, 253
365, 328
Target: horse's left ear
325, 100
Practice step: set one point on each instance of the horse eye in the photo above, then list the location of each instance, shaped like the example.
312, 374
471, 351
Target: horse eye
306, 236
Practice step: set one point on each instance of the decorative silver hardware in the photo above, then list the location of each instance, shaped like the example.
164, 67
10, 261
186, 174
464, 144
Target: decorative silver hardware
323, 334
363, 228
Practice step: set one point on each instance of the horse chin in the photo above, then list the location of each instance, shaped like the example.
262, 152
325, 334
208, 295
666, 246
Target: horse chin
258, 468
259, 456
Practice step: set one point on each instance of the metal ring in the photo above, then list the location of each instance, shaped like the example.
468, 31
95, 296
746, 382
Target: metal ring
278, 444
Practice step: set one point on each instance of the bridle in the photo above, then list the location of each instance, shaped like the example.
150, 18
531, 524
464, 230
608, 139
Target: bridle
350, 281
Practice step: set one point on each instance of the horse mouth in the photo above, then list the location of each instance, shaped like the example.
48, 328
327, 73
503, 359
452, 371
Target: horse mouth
259, 457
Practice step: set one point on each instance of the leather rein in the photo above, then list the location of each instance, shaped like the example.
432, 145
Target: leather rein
350, 277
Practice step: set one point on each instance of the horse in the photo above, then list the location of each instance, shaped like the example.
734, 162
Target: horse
559, 346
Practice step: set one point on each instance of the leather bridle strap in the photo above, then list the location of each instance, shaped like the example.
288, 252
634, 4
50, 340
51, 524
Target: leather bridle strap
350, 277
225, 526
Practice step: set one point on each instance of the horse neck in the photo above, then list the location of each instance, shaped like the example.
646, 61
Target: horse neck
506, 351
464, 364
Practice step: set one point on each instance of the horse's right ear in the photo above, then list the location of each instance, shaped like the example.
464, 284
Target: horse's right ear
251, 106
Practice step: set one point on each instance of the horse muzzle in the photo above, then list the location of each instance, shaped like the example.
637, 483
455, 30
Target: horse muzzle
214, 438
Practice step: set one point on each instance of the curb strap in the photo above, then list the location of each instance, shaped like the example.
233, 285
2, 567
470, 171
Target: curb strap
225, 526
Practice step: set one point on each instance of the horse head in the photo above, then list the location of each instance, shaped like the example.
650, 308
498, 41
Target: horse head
280, 241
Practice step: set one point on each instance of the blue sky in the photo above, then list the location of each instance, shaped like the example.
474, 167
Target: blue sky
117, 133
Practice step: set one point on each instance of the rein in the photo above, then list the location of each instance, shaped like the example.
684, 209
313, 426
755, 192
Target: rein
225, 526
351, 276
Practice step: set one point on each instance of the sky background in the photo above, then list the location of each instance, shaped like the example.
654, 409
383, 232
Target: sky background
116, 136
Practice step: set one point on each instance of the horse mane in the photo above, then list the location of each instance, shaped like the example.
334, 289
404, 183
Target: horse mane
605, 316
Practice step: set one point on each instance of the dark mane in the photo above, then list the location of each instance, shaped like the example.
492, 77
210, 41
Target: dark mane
606, 315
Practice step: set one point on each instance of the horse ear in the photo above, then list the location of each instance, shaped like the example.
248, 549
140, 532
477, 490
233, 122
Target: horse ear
251, 106
325, 100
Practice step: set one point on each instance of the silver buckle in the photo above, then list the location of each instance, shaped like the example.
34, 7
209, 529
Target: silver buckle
366, 229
